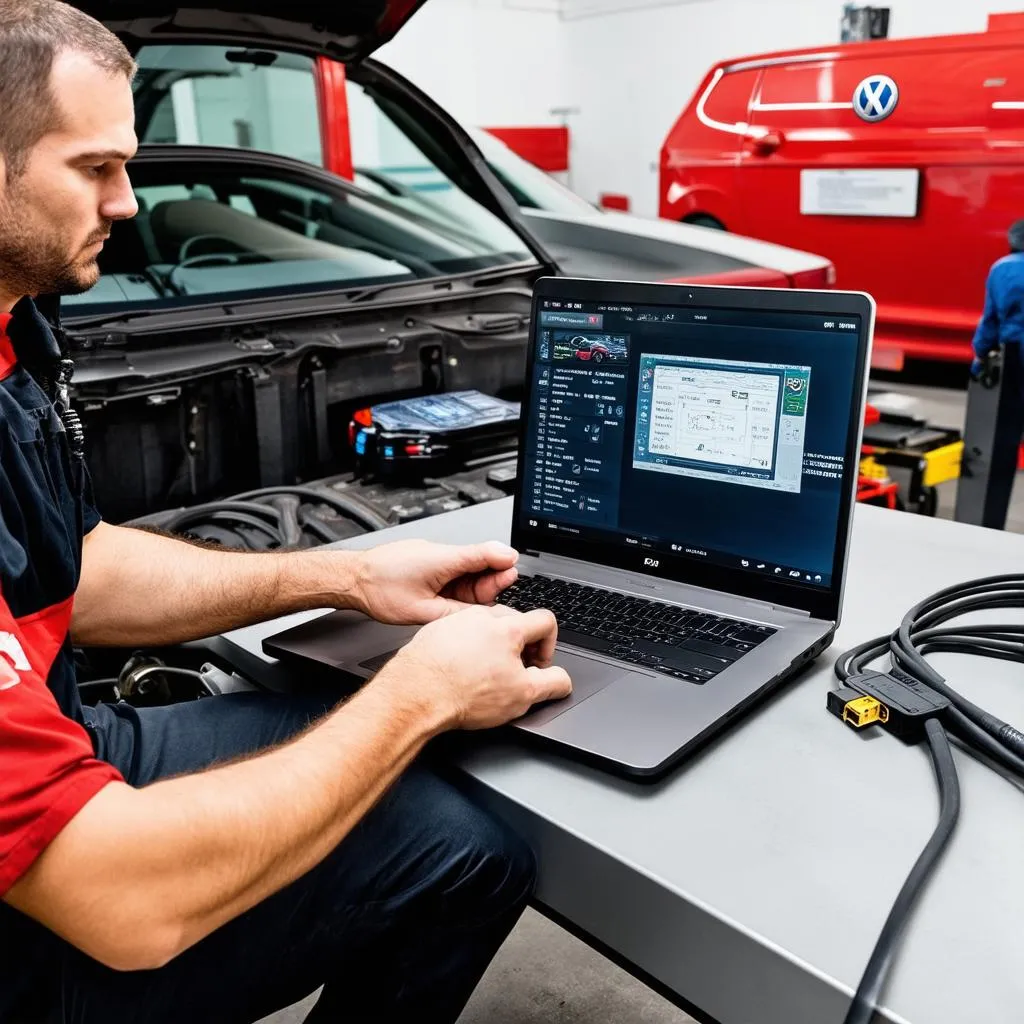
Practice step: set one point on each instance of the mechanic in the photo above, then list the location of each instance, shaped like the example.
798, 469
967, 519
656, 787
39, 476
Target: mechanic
219, 859
1002, 322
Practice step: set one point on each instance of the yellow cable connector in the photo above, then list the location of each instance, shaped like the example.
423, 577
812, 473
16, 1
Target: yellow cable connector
864, 711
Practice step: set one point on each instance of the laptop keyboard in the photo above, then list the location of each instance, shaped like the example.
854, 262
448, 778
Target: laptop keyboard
680, 642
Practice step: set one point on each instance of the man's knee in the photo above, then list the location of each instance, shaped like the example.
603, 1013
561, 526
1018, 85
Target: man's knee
453, 856
495, 870
499, 872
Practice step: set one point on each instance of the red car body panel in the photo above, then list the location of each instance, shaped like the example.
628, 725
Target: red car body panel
335, 128
759, 277
737, 152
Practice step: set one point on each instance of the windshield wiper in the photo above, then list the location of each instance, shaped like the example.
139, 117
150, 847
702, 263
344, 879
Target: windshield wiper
255, 306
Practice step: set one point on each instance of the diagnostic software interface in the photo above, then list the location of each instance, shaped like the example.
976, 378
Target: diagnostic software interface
709, 434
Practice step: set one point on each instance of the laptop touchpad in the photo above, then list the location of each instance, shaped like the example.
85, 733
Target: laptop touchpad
588, 677
376, 663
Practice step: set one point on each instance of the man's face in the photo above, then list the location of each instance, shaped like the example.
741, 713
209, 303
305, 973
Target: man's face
55, 216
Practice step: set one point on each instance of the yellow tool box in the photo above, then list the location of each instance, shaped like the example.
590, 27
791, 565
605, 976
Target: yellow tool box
904, 459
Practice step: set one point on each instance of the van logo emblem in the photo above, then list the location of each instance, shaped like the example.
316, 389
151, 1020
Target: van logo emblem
875, 98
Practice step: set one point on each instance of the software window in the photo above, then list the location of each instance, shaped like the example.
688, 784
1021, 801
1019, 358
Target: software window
716, 419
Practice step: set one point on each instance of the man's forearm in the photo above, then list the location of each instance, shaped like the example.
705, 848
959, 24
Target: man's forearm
199, 850
142, 587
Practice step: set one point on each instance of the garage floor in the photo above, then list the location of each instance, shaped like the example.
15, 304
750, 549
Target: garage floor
542, 975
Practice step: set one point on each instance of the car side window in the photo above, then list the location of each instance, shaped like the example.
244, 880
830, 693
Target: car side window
220, 232
389, 164
226, 96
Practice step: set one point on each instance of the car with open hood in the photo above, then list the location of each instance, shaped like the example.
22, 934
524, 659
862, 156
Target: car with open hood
268, 293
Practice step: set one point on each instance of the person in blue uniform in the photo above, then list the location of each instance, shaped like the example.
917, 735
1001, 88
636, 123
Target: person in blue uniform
1002, 322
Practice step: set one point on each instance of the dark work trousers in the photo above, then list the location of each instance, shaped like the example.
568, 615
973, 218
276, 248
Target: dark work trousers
398, 923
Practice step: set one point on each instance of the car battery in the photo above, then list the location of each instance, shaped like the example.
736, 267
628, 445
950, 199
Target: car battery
433, 435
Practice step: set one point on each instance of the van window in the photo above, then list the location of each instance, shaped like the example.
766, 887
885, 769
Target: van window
808, 85
730, 99
225, 96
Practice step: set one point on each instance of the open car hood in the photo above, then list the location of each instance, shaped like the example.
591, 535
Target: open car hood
344, 29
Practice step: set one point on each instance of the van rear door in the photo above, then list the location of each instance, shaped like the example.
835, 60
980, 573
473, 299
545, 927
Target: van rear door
1004, 182
701, 153
890, 194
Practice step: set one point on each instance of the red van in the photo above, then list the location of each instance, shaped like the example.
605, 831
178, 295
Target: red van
900, 161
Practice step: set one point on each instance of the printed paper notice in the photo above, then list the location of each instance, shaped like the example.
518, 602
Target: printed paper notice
860, 193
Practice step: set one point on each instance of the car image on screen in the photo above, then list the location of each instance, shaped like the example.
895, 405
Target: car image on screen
598, 350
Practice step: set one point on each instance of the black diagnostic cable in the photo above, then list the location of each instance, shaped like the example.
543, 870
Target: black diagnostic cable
866, 997
915, 702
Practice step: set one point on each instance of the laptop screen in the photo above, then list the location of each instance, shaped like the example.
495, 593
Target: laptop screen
692, 433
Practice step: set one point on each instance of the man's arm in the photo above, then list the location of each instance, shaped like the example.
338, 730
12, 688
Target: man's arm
137, 876
986, 337
139, 587
142, 587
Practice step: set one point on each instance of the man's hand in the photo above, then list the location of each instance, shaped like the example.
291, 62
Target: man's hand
205, 848
414, 581
481, 668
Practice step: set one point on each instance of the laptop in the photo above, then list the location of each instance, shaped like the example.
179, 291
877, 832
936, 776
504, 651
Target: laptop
687, 475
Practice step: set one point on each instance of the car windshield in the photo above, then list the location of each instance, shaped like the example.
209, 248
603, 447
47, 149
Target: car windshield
216, 226
532, 187
205, 228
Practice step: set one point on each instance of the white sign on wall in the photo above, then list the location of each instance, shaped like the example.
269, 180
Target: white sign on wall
860, 193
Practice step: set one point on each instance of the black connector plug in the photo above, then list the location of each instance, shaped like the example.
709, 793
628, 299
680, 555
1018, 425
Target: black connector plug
855, 709
907, 704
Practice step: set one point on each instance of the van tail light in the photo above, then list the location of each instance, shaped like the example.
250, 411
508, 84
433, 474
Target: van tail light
820, 277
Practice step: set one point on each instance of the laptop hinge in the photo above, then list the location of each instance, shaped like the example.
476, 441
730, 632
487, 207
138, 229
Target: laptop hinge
803, 612
562, 562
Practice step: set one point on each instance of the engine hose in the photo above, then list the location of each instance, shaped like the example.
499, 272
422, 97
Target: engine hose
290, 528
242, 519
203, 513
347, 506
319, 529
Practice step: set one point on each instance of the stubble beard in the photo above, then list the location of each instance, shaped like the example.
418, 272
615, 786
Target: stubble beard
36, 262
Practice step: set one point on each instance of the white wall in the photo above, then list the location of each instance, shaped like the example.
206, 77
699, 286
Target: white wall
630, 66
645, 63
486, 62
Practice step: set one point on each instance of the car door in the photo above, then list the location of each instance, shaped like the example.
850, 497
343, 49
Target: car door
888, 193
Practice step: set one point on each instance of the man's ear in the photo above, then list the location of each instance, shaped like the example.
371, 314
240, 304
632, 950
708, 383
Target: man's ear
3, 175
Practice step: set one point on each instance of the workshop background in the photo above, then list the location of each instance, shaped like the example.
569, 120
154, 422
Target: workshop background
585, 110
617, 74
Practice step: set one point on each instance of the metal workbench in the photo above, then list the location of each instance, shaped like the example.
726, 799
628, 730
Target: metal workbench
752, 882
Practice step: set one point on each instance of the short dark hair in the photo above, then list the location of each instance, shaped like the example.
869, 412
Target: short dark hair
1016, 237
33, 33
